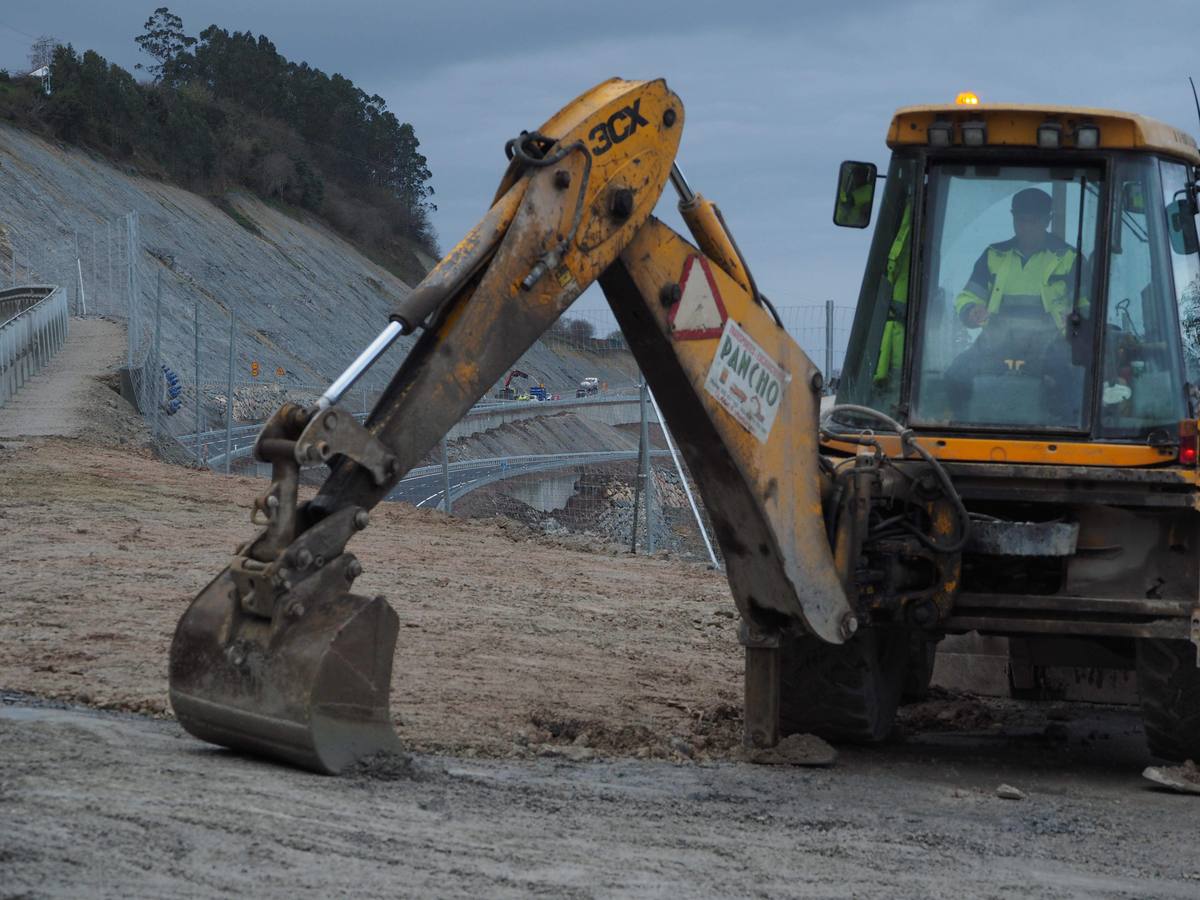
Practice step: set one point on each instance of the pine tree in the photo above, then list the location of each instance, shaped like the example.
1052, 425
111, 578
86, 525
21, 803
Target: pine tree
164, 40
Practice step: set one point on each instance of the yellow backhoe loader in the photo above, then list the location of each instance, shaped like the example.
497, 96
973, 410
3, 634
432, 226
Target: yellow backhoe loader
1045, 487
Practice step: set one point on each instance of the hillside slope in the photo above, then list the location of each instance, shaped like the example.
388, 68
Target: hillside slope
305, 300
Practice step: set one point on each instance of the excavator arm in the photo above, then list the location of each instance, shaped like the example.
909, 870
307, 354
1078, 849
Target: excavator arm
515, 373
277, 656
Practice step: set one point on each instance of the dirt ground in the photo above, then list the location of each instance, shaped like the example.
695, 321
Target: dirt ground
571, 714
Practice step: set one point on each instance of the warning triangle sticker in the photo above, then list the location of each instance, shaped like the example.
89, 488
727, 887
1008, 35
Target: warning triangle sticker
700, 313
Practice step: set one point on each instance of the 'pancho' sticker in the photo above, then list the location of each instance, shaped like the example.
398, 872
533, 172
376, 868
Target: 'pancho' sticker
746, 381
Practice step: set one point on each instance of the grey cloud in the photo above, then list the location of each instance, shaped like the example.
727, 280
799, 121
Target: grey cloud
776, 93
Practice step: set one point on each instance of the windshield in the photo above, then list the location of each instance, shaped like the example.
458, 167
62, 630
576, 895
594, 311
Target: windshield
1005, 331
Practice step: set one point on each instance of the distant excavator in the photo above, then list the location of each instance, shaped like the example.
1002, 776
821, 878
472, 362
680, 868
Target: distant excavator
509, 393
1046, 489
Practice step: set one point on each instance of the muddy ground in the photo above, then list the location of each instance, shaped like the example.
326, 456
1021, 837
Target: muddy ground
572, 715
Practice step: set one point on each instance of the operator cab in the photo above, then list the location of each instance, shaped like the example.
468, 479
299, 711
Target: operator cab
1033, 274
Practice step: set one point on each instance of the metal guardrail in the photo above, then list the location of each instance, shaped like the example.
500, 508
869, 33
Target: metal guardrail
244, 435
33, 327
544, 460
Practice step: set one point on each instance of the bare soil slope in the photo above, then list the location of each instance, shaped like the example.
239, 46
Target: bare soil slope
104, 548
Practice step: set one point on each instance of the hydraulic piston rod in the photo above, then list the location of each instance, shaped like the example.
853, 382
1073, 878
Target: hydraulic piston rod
365, 360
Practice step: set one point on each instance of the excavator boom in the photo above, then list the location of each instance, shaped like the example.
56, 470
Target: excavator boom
278, 657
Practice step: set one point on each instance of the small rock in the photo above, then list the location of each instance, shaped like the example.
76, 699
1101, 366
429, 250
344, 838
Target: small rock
1008, 792
795, 750
642, 753
1185, 779
582, 739
577, 753
680, 746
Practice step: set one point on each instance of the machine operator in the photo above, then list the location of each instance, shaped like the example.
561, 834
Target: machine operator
1023, 290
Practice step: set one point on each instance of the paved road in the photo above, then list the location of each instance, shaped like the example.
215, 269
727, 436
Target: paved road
427, 489
427, 486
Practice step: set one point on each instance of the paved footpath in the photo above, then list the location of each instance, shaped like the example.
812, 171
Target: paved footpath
65, 399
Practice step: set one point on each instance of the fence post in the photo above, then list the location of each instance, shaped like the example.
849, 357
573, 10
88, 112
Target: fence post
446, 473
131, 311
196, 334
108, 285
645, 469
82, 292
151, 378
828, 342
229, 395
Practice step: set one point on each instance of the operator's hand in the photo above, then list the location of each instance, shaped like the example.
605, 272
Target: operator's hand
975, 315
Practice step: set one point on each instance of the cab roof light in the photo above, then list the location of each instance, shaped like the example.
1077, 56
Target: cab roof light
1087, 137
966, 98
1187, 442
1049, 136
974, 134
941, 133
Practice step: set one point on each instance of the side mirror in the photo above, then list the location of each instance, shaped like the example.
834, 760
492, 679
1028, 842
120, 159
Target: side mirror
1133, 200
1181, 226
855, 194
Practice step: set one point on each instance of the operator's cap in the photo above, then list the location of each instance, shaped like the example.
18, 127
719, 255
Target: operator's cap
1031, 201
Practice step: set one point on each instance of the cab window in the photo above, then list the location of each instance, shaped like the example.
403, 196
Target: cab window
1141, 394
1005, 328
875, 353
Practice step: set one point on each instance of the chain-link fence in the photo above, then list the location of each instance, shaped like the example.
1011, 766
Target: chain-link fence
562, 443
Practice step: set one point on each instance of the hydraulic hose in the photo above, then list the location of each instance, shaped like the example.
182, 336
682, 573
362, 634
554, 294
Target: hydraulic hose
907, 442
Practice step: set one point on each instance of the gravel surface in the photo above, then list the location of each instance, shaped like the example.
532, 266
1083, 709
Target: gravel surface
112, 805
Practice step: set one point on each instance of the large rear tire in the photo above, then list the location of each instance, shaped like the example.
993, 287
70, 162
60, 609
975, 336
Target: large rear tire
843, 692
1169, 685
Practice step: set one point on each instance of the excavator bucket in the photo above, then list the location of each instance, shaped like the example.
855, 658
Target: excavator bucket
309, 687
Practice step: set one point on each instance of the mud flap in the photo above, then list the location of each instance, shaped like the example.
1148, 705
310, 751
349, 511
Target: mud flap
309, 687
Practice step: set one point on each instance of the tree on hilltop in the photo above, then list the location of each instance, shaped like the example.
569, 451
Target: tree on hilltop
164, 40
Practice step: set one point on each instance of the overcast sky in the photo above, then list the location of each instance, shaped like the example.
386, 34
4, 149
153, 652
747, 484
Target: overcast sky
776, 94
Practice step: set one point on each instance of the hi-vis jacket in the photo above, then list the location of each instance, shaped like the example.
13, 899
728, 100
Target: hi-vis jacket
891, 344
1047, 277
